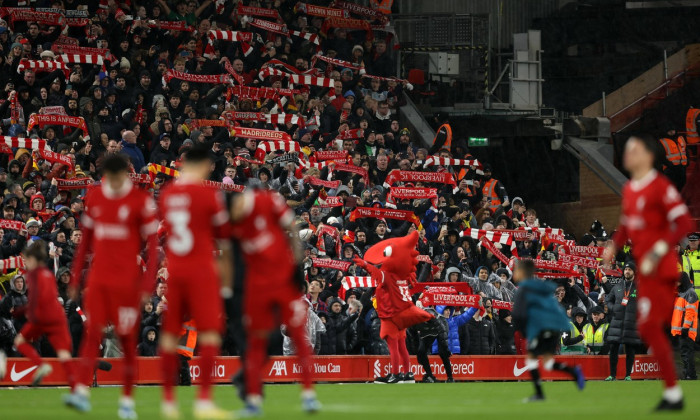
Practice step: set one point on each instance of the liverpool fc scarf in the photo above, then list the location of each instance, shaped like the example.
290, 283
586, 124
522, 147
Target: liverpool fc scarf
425, 177
75, 183
377, 213
338, 155
54, 157
12, 224
359, 170
321, 183
332, 264
439, 161
195, 78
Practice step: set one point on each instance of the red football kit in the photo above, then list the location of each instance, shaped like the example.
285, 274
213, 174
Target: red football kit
270, 290
44, 313
193, 216
652, 210
114, 225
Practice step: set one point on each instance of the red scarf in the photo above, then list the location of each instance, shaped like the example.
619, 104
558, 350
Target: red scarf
12, 263
426, 177
140, 179
333, 233
360, 10
262, 134
42, 18
376, 213
245, 116
446, 299
356, 133
257, 11
346, 23
81, 58
195, 78
331, 155
352, 169
14, 108
237, 77
412, 194
172, 26
325, 12
278, 28
54, 157
44, 120
74, 183
495, 251
328, 202
337, 62
12, 224
441, 287
333, 264
222, 186
321, 183
584, 251
52, 110
580, 261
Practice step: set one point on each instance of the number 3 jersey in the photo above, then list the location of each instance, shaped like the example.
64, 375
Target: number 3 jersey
193, 216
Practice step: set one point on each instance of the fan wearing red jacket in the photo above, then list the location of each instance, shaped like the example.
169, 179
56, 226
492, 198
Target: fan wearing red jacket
655, 218
194, 216
261, 220
118, 221
45, 315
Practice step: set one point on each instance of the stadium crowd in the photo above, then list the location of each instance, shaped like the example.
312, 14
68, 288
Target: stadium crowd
148, 79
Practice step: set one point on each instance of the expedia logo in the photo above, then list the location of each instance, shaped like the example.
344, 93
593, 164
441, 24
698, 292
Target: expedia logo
645, 367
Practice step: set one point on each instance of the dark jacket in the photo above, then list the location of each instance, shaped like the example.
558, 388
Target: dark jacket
623, 325
376, 345
146, 347
505, 337
482, 337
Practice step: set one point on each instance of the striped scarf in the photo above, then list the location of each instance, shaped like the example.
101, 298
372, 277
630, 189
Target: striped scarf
271, 146
284, 119
332, 264
155, 169
23, 143
440, 161
352, 282
81, 59
42, 66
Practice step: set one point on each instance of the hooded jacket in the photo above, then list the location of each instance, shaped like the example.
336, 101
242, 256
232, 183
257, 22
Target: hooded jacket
453, 324
623, 325
485, 286
147, 348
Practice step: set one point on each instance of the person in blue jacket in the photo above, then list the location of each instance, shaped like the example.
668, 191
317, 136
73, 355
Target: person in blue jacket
453, 322
539, 318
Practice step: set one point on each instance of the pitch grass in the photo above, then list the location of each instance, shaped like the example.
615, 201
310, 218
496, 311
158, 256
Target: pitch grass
600, 400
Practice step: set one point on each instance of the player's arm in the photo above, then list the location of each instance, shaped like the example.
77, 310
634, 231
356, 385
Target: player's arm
220, 222
149, 230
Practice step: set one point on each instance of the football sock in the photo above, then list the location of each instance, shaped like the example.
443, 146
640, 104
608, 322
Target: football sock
404, 357
652, 332
393, 344
208, 355
129, 345
298, 336
29, 352
537, 381
254, 360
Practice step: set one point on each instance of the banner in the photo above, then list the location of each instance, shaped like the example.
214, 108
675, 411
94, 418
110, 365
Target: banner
430, 287
329, 263
280, 369
377, 213
12, 224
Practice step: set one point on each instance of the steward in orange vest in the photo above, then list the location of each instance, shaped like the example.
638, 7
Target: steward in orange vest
676, 159
691, 126
493, 190
443, 137
185, 350
684, 324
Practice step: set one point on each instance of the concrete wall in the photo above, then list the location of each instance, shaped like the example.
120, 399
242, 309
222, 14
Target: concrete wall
598, 201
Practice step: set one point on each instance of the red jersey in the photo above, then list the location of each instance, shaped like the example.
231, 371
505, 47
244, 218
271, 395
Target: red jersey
393, 295
193, 216
43, 306
115, 225
652, 209
262, 233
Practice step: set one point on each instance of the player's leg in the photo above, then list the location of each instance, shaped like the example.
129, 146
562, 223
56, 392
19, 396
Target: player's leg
532, 365
549, 363
614, 356
22, 343
126, 401
60, 340
444, 352
422, 355
654, 307
688, 358
294, 313
255, 356
630, 353
167, 343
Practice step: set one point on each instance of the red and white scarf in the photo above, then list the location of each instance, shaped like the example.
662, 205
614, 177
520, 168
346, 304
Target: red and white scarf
352, 282
81, 59
355, 133
11, 264
278, 28
329, 202
313, 38
426, 177
385, 79
360, 10
439, 161
41, 66
44, 120
338, 63
15, 108
332, 264
492, 235
495, 251
307, 80
74, 183
42, 18
245, 38
24, 143
271, 146
450, 299
321, 243
278, 119
52, 110
380, 213
306, 164
345, 23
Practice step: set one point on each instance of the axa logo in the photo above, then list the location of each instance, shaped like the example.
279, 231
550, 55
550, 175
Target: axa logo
279, 368
16, 376
519, 371
377, 369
